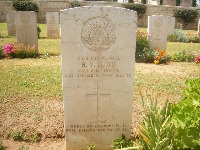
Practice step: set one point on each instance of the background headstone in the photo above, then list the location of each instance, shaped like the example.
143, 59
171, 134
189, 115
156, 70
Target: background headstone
157, 31
171, 25
53, 26
26, 28
98, 54
10, 18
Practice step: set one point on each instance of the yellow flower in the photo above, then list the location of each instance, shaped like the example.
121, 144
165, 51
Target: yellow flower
156, 61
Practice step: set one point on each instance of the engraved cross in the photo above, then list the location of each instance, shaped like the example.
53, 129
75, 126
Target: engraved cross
98, 96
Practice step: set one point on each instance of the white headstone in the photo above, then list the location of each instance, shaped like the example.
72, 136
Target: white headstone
26, 28
10, 18
122, 1
53, 26
98, 54
157, 31
171, 25
153, 2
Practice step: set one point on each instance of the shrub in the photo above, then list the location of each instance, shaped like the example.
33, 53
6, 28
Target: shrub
144, 1
187, 15
145, 56
130, 1
157, 129
186, 116
23, 5
140, 8
178, 2
38, 31
75, 4
192, 38
178, 36
194, 3
143, 52
19, 50
183, 57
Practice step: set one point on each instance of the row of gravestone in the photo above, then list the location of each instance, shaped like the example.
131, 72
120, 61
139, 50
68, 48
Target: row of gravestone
25, 23
24, 26
98, 53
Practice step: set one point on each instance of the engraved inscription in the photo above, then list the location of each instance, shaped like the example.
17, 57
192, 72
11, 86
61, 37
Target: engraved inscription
98, 67
25, 18
98, 34
98, 128
98, 96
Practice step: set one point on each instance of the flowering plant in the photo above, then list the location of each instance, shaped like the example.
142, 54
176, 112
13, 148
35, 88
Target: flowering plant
142, 47
9, 48
19, 50
197, 59
159, 56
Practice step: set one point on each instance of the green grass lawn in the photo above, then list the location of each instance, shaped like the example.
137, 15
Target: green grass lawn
36, 76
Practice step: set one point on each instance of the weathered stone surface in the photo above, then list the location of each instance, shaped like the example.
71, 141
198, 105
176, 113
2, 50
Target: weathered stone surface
98, 54
157, 31
53, 25
10, 18
26, 28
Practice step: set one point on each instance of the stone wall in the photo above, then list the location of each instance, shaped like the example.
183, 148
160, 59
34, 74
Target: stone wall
57, 5
169, 2
184, 3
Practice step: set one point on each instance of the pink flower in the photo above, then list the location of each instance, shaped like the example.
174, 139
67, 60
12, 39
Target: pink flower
197, 59
9, 48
